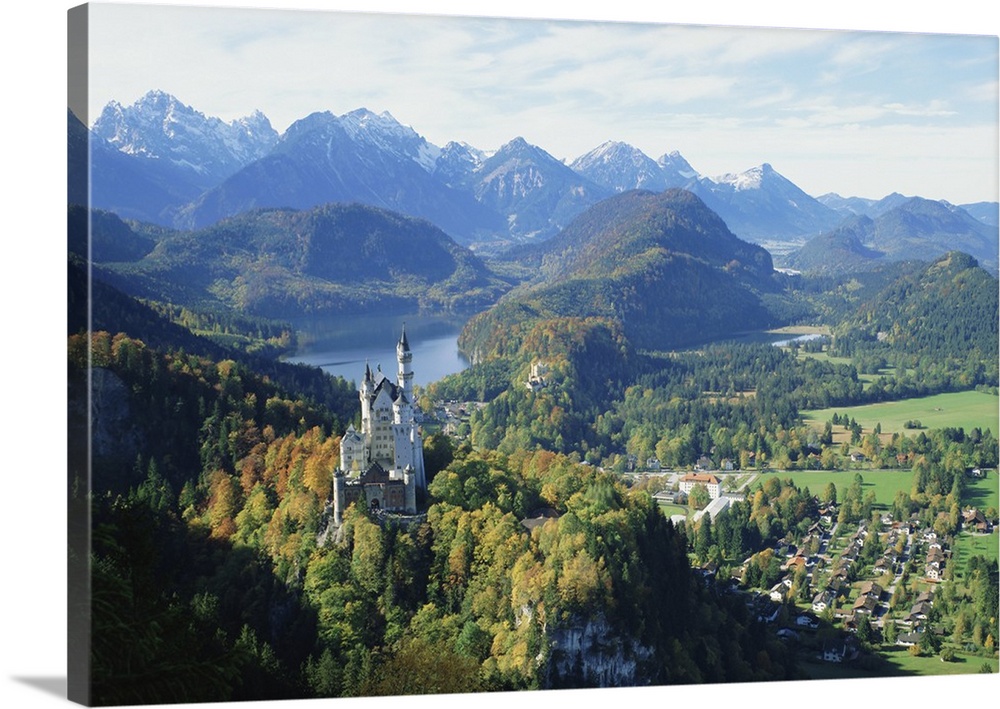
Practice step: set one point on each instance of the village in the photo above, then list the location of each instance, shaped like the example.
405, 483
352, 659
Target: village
846, 590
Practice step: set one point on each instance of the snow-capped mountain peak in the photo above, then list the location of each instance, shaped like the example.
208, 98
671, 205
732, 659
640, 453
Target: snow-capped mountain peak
386, 133
674, 162
457, 161
751, 179
160, 126
620, 166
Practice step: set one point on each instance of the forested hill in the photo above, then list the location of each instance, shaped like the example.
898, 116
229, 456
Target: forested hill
211, 580
916, 229
839, 251
283, 263
115, 312
632, 225
662, 265
945, 311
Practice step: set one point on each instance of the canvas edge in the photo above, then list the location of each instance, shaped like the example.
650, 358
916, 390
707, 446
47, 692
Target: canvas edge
78, 646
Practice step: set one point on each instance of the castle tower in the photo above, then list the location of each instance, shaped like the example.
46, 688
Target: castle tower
339, 498
404, 357
410, 480
365, 394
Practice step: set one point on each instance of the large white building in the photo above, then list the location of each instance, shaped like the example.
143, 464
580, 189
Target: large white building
382, 465
711, 483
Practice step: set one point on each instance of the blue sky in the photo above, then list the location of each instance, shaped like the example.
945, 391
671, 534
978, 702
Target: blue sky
858, 113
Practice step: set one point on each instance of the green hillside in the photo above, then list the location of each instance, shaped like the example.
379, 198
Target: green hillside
943, 315
282, 263
663, 266
916, 229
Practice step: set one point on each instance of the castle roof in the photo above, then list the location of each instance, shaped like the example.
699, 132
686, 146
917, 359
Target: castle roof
374, 474
389, 386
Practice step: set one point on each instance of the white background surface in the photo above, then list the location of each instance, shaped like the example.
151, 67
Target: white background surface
33, 130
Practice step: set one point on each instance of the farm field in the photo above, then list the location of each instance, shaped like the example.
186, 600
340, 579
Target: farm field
866, 379
884, 483
966, 409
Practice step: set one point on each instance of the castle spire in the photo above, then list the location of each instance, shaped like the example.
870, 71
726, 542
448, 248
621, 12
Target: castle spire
404, 358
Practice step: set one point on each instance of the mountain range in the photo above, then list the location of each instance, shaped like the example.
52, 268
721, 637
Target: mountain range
161, 161
901, 229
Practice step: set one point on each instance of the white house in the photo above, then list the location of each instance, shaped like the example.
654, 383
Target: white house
821, 601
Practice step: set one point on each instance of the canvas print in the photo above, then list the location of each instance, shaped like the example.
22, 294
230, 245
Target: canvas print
416, 354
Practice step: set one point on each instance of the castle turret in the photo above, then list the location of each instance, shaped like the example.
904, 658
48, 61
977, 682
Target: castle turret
410, 481
404, 357
365, 394
402, 412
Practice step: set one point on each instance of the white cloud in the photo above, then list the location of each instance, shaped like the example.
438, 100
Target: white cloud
565, 85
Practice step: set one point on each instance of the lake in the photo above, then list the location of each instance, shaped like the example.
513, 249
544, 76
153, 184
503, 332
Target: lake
779, 338
341, 345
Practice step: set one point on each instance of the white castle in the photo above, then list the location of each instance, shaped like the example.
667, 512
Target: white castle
382, 465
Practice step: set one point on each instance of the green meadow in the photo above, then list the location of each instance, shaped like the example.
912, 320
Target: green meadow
866, 379
897, 662
906, 664
983, 492
884, 483
970, 545
965, 409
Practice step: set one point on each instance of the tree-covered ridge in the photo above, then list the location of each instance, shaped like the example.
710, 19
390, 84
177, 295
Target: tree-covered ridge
945, 313
839, 251
586, 364
178, 412
926, 229
604, 555
110, 239
662, 265
252, 342
915, 229
604, 239
256, 336
283, 262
